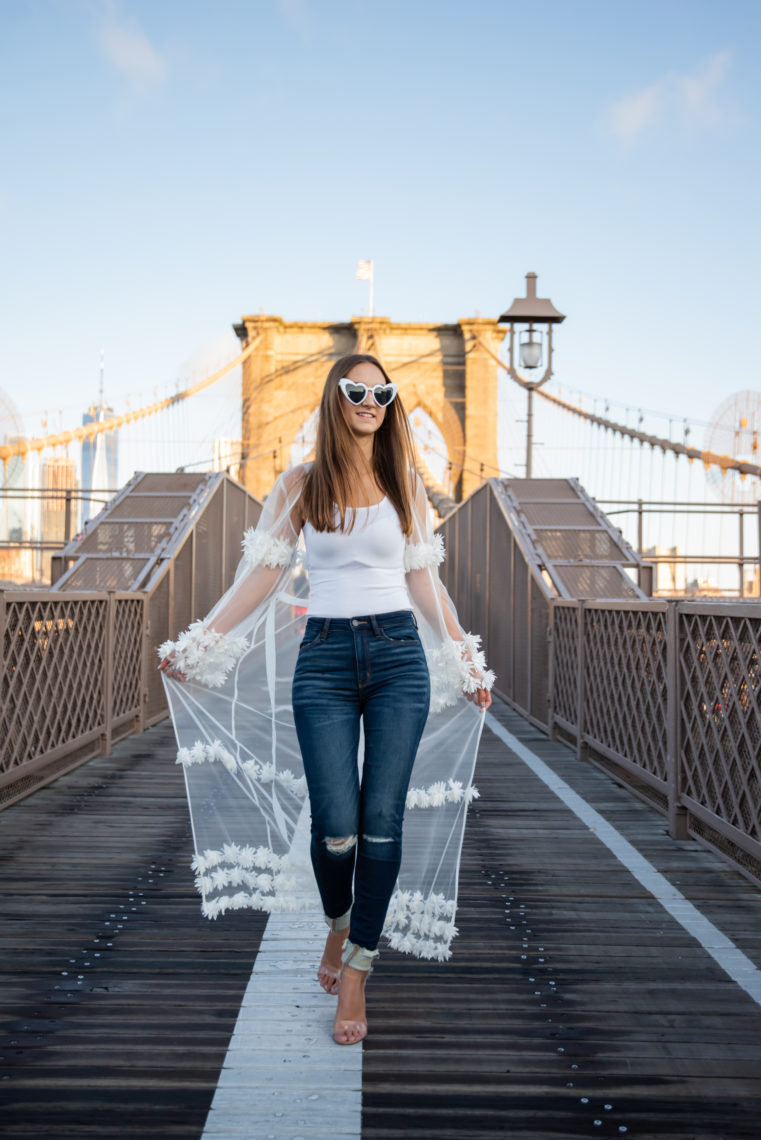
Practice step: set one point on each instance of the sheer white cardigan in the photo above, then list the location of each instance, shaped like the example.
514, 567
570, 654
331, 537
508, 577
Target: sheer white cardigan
238, 748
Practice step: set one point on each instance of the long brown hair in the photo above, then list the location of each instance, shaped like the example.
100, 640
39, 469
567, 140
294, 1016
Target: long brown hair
330, 481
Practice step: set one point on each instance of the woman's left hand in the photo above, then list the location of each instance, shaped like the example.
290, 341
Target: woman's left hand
167, 666
481, 697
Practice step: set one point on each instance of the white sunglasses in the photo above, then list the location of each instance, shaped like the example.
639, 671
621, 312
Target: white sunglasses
356, 392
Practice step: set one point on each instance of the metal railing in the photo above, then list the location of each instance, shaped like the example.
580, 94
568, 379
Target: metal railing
68, 497
668, 696
72, 683
634, 513
79, 666
664, 695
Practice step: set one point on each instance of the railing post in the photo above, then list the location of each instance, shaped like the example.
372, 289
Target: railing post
145, 662
551, 668
3, 659
67, 519
193, 610
677, 813
741, 551
529, 659
223, 559
487, 567
581, 694
511, 605
470, 563
108, 676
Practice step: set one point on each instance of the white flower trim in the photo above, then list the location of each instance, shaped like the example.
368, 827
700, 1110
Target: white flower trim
284, 884
421, 926
204, 654
263, 549
440, 793
246, 857
457, 667
272, 883
267, 773
202, 753
419, 556
271, 904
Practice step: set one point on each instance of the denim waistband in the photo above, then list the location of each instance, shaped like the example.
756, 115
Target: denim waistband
373, 621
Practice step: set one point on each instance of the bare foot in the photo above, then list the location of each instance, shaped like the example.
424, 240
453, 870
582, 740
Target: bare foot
350, 1025
330, 966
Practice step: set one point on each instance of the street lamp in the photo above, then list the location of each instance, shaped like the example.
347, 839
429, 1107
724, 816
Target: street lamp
531, 311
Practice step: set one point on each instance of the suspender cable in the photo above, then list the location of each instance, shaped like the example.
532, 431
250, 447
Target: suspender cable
89, 431
709, 458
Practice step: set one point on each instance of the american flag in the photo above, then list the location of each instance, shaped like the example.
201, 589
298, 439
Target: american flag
364, 271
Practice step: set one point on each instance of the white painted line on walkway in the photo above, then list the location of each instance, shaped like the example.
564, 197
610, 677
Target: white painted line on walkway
724, 952
284, 1076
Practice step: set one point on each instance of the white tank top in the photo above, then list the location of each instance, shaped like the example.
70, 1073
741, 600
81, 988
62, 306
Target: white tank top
361, 572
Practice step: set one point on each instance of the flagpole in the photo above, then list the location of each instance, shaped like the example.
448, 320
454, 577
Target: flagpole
365, 270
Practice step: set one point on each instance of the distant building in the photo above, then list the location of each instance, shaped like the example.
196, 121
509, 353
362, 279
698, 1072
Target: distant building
753, 582
58, 476
12, 505
19, 519
670, 572
100, 459
226, 457
705, 588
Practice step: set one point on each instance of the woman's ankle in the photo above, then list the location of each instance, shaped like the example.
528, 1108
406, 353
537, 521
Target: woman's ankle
341, 923
358, 957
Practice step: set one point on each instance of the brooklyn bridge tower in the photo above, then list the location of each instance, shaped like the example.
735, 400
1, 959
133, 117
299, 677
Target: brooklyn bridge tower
445, 371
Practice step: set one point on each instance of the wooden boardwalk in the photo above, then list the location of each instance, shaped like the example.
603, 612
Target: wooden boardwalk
576, 1003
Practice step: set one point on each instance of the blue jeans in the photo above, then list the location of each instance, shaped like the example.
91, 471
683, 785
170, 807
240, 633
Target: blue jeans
372, 669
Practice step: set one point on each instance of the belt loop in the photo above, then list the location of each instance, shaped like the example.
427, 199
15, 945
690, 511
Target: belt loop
325, 629
414, 619
374, 624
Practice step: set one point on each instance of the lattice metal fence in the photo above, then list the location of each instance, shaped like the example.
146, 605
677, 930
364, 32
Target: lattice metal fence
499, 596
720, 721
664, 695
128, 637
79, 667
625, 684
57, 683
565, 672
668, 696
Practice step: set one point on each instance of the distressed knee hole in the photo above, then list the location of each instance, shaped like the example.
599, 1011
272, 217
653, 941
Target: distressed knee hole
376, 839
340, 846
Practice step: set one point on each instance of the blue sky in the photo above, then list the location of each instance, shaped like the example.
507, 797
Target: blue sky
169, 166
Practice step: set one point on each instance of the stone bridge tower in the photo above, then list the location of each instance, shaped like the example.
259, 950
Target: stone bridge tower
440, 369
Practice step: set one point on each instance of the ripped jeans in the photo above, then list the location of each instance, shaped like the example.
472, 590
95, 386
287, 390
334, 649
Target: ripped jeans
350, 669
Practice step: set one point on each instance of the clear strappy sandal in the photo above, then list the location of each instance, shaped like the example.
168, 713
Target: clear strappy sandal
329, 976
350, 1031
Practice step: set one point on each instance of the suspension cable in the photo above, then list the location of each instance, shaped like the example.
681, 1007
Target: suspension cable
708, 458
98, 427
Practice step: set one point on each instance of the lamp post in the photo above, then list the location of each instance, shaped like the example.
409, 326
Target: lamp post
531, 311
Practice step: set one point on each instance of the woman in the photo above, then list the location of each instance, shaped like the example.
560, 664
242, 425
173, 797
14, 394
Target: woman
361, 668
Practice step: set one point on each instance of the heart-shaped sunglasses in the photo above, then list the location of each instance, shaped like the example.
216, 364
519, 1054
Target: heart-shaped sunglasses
356, 392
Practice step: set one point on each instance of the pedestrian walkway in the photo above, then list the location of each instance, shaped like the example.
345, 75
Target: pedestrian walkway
605, 981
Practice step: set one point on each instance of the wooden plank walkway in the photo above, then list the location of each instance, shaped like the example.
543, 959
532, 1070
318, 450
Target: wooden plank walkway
574, 1005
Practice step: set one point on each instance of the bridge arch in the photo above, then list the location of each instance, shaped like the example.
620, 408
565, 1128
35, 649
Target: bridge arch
443, 369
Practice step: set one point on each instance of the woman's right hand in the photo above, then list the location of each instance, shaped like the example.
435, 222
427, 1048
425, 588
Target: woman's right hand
481, 698
167, 666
